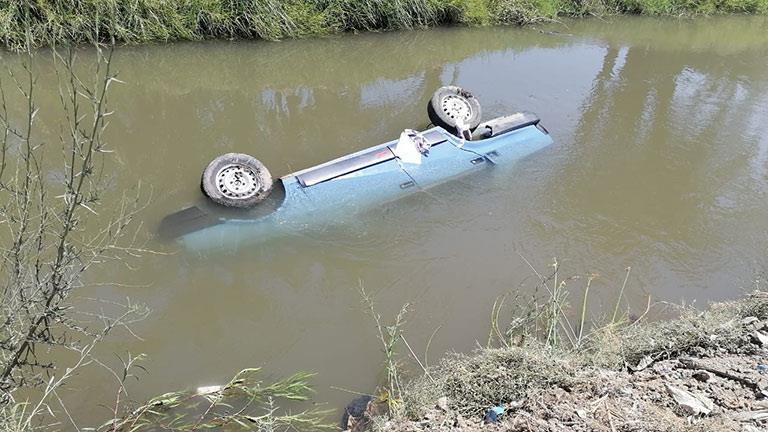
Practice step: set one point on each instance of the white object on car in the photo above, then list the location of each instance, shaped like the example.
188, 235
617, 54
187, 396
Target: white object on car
410, 146
462, 128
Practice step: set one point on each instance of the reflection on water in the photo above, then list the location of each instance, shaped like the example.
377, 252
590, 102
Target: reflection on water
660, 162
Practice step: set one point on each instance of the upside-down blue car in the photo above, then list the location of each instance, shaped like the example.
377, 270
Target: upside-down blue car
355, 182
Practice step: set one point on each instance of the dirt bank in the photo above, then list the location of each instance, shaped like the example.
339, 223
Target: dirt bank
705, 371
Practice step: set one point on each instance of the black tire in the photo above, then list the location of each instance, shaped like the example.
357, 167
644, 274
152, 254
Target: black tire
236, 180
451, 101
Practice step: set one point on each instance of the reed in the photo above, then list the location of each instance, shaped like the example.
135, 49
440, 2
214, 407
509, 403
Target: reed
49, 22
390, 337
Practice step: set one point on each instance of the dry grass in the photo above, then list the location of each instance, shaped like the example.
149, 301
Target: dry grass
489, 376
720, 326
486, 378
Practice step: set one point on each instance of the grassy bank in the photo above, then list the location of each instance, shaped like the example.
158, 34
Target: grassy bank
43, 22
703, 371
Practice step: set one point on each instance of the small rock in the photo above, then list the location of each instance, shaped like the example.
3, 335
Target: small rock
702, 376
442, 403
760, 337
746, 416
642, 364
749, 320
691, 403
581, 413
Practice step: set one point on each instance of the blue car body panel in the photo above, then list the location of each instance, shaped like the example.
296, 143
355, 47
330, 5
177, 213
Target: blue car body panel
359, 189
314, 200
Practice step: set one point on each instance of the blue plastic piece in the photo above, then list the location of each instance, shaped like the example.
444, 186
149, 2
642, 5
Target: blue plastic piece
491, 417
363, 188
493, 414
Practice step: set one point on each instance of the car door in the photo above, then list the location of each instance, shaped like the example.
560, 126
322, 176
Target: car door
362, 188
444, 162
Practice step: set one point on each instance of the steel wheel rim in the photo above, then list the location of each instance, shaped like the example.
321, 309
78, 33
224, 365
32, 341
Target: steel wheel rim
456, 107
237, 182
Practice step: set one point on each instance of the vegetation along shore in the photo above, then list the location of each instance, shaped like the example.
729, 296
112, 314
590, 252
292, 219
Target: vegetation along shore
703, 371
46, 22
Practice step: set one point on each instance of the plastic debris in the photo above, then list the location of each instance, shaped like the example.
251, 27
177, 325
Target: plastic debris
493, 414
762, 368
204, 390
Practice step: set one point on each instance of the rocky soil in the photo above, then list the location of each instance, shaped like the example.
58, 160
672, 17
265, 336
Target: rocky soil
712, 386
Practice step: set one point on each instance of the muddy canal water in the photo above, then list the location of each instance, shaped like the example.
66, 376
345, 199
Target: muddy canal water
660, 163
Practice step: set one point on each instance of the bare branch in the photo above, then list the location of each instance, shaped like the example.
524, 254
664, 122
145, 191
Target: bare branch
54, 232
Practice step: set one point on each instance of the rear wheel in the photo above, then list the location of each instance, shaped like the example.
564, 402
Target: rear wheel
450, 105
236, 180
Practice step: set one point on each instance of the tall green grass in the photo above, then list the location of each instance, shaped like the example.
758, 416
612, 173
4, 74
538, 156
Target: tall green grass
44, 22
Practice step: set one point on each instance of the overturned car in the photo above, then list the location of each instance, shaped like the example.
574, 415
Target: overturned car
459, 143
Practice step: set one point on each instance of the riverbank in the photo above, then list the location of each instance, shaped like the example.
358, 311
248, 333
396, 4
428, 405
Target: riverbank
40, 23
705, 371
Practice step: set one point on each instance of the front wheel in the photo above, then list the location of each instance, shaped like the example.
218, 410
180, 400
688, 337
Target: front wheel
236, 180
